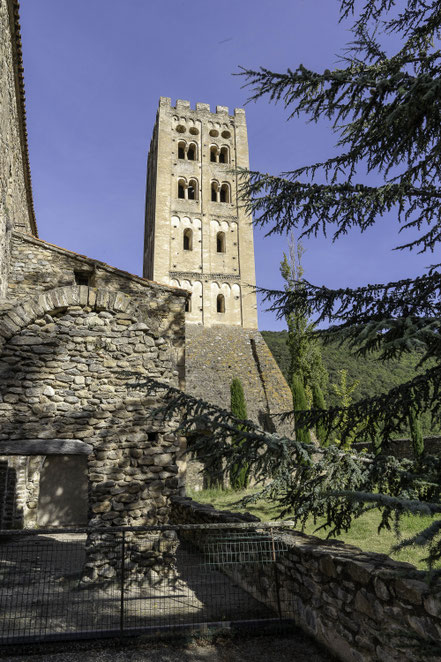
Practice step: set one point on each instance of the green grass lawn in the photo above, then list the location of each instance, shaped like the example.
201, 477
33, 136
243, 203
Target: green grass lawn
363, 532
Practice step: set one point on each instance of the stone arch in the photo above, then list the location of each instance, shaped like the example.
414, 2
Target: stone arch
214, 190
192, 152
193, 189
225, 192
92, 404
187, 241
224, 154
59, 298
182, 146
221, 245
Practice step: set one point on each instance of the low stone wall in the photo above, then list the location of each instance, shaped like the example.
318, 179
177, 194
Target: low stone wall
402, 448
363, 607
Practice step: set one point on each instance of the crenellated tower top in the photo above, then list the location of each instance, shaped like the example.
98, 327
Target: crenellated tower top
197, 235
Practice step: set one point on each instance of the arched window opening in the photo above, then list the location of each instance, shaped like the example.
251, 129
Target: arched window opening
181, 150
192, 190
220, 303
220, 242
224, 156
214, 191
188, 239
188, 305
181, 188
225, 193
191, 154
213, 154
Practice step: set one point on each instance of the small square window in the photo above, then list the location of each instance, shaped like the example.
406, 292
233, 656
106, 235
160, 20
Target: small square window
82, 277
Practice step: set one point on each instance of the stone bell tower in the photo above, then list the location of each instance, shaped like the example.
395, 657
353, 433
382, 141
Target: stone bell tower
197, 235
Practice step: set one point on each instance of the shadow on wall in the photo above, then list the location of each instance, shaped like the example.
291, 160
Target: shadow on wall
64, 498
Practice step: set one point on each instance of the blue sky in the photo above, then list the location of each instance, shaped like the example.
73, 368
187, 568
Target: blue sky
94, 71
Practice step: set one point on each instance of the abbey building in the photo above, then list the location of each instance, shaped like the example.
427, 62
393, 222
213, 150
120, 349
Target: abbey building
75, 332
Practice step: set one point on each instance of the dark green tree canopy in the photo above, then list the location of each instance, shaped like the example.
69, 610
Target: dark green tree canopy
386, 111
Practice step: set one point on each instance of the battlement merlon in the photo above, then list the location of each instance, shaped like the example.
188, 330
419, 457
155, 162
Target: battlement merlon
185, 105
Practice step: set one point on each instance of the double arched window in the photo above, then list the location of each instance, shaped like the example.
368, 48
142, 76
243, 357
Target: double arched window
188, 190
187, 151
221, 155
220, 192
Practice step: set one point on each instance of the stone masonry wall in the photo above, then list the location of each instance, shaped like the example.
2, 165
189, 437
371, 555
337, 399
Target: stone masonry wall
363, 607
69, 359
214, 356
15, 194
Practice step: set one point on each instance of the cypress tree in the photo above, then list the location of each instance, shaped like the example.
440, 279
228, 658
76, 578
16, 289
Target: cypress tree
299, 404
239, 472
238, 404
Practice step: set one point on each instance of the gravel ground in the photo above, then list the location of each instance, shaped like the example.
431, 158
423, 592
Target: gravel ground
295, 647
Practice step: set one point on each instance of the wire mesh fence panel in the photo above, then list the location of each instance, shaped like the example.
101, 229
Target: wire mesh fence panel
195, 591
44, 593
107, 582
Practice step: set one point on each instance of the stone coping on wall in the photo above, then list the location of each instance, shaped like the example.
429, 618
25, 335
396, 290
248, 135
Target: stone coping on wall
362, 606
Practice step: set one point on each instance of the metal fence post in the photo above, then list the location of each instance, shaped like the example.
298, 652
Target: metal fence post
276, 574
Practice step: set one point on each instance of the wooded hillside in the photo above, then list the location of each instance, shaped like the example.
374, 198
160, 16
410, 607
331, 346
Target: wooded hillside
375, 376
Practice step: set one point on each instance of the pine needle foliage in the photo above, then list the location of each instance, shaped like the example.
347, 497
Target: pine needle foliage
302, 479
386, 111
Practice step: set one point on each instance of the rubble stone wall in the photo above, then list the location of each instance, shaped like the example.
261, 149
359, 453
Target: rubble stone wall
214, 356
364, 607
15, 195
69, 362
